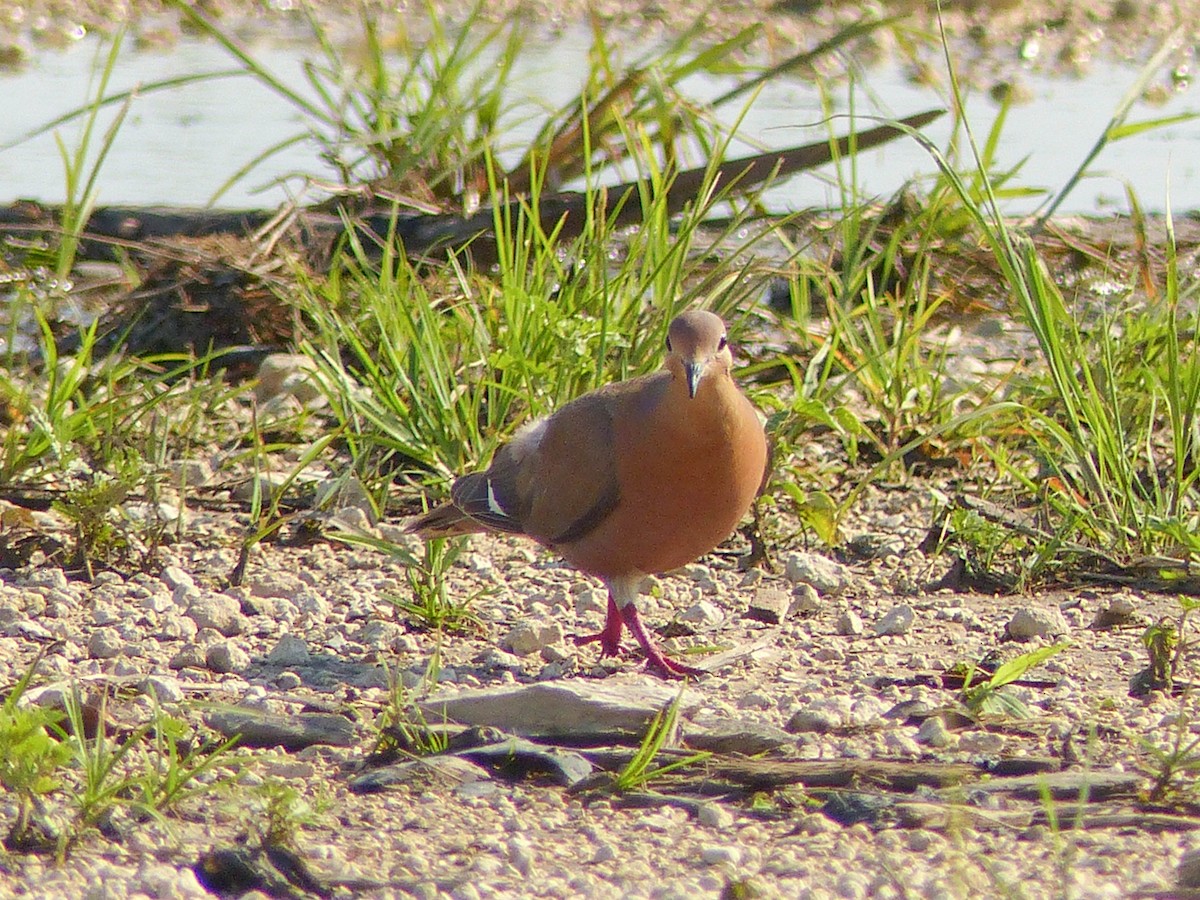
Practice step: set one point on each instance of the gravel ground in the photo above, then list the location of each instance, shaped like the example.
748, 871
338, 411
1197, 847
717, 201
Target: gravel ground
864, 630
313, 627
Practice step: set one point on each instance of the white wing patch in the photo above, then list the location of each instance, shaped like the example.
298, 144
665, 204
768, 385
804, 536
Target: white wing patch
494, 504
524, 442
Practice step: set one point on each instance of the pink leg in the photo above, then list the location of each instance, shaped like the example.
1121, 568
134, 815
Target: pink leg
656, 660
609, 636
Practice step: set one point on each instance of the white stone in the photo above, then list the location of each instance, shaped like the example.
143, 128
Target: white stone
826, 575
158, 603
703, 612
805, 600
531, 635
1028, 622
289, 651
605, 852
163, 688
225, 657
103, 614
174, 576
721, 855
218, 611
702, 576
45, 576
898, 620
590, 600
849, 623
520, 854
714, 816
105, 643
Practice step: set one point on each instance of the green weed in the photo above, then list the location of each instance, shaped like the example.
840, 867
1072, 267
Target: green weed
987, 698
1166, 642
180, 767
636, 774
94, 505
278, 812
431, 606
150, 770
32, 765
1174, 763
102, 781
71, 754
401, 726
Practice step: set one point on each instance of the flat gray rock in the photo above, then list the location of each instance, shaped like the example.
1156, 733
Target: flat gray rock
743, 736
428, 772
559, 708
518, 758
259, 729
1095, 786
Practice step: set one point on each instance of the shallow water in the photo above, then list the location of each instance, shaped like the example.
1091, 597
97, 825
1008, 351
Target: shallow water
181, 146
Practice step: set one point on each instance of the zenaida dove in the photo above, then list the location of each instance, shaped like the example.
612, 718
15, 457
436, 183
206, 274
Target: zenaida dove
633, 479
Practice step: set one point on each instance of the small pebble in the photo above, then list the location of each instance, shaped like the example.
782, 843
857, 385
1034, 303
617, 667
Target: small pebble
531, 635
288, 681
162, 688
933, 733
703, 612
721, 855
899, 620
770, 605
805, 600
289, 651
1029, 622
225, 657
190, 657
105, 643
826, 575
1120, 611
218, 611
714, 816
814, 720
849, 623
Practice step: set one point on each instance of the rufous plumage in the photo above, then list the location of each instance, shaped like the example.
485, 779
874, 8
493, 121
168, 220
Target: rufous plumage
636, 478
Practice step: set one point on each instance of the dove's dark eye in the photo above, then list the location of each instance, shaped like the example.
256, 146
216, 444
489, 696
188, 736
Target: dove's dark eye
723, 343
